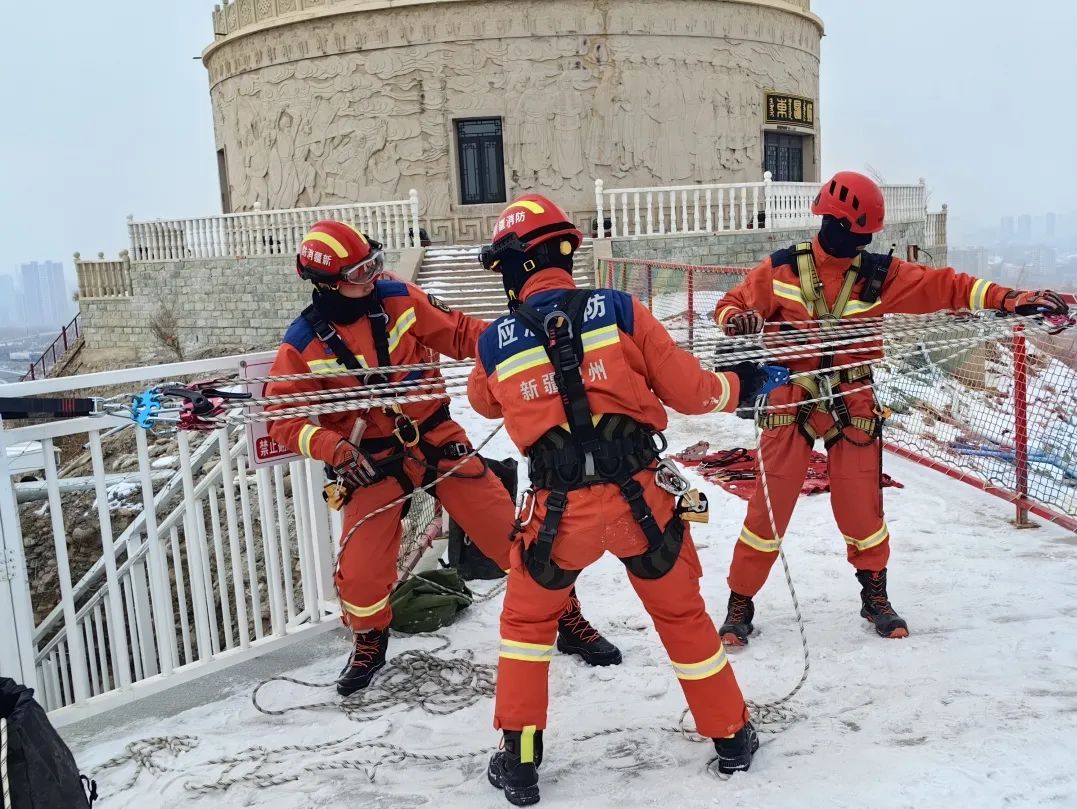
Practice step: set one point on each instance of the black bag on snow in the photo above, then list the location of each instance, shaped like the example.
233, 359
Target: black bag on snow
41, 771
468, 560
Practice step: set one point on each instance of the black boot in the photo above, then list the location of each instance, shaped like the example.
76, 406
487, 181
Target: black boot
514, 768
876, 605
365, 659
738, 620
735, 753
576, 636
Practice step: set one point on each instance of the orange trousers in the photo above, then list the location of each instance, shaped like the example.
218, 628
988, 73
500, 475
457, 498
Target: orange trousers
855, 497
597, 520
367, 571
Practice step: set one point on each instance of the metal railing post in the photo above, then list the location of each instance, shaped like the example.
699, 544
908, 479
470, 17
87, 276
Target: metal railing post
1020, 418
16, 609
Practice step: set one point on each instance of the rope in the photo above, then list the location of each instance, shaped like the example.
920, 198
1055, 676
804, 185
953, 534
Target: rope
776, 705
3, 763
414, 678
144, 754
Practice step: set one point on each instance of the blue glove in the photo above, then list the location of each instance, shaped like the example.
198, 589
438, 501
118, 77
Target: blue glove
758, 380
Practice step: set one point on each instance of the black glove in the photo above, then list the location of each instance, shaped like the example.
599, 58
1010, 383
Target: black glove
749, 322
1034, 303
758, 380
355, 467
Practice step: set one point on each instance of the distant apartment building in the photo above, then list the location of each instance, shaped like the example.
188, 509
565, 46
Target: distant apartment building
8, 301
43, 295
973, 261
1024, 229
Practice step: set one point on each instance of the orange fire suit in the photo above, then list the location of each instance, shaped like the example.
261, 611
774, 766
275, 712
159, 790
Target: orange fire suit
773, 289
630, 366
417, 325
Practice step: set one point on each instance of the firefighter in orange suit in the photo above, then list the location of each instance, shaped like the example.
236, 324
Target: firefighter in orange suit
360, 321
834, 278
581, 378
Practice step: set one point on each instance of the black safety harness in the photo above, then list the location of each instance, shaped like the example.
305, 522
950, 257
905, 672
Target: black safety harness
407, 432
611, 449
823, 385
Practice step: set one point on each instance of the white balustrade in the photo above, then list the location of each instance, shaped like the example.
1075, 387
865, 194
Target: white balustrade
269, 233
717, 208
222, 563
104, 278
935, 233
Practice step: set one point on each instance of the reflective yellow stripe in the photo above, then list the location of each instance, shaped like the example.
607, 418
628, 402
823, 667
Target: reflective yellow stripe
328, 241
859, 307
758, 542
878, 538
528, 652
331, 366
723, 313
600, 338
702, 670
790, 293
527, 744
403, 324
723, 400
364, 612
305, 436
524, 361
527, 205
978, 298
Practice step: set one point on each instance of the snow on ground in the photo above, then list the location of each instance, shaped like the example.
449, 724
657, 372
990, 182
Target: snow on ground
979, 706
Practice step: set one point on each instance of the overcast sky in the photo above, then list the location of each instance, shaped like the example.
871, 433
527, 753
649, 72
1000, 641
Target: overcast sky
106, 112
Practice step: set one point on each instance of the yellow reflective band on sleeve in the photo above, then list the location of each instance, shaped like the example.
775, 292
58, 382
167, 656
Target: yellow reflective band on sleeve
757, 542
978, 298
524, 361
305, 436
723, 400
331, 366
527, 652
402, 326
527, 744
600, 338
702, 670
364, 612
878, 538
859, 307
790, 292
723, 313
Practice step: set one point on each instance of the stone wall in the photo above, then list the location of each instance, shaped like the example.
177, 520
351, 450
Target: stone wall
744, 248
219, 306
319, 103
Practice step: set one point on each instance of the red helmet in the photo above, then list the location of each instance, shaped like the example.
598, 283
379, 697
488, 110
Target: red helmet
332, 252
529, 222
853, 199
532, 234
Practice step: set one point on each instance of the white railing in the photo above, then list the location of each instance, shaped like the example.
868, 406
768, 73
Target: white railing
694, 209
104, 278
268, 233
222, 562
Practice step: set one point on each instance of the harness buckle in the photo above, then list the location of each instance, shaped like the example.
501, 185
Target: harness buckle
455, 450
826, 389
669, 478
406, 430
555, 314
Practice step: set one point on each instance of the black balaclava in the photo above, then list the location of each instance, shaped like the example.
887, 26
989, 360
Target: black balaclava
514, 272
840, 242
336, 308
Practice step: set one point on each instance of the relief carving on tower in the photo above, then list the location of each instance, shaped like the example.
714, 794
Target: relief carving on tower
347, 118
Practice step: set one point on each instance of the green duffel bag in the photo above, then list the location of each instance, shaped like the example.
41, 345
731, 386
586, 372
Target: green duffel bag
429, 601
